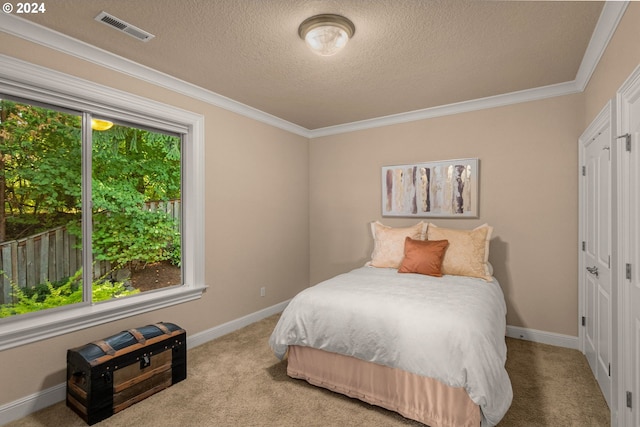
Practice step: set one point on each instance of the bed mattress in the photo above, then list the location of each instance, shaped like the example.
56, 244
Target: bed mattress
448, 328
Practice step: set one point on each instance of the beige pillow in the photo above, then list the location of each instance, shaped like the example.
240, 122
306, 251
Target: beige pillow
388, 249
468, 251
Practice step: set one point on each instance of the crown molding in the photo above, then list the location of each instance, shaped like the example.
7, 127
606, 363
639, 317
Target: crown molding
46, 37
610, 16
512, 98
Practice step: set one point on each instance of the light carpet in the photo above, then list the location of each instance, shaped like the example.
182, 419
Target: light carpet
236, 380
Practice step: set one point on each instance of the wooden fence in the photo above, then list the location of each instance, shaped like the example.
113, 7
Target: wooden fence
52, 255
172, 207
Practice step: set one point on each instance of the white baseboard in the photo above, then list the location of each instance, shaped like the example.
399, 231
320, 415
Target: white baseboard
29, 404
551, 338
58, 393
226, 328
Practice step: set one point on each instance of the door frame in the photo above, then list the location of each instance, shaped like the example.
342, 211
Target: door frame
630, 89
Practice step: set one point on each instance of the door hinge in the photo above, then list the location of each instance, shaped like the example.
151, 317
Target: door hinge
584, 321
584, 171
609, 369
627, 141
584, 245
628, 271
609, 262
629, 397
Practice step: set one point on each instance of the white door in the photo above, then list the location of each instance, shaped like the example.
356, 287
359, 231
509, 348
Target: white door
629, 188
596, 254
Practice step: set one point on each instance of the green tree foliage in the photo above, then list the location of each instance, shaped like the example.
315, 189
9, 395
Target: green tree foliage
131, 167
40, 183
50, 295
39, 166
144, 237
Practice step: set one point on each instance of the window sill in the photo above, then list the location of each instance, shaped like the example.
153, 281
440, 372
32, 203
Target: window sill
40, 326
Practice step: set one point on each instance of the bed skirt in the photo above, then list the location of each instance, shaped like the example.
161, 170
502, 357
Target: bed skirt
419, 398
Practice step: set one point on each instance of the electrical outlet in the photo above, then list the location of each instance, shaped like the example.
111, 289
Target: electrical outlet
263, 291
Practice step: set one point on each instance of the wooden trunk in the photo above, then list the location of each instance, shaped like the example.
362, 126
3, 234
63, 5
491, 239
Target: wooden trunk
109, 375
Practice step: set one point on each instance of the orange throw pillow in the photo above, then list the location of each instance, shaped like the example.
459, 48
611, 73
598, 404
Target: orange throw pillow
423, 256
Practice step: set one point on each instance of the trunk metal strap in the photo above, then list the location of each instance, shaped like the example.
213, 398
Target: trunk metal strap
163, 328
137, 335
105, 347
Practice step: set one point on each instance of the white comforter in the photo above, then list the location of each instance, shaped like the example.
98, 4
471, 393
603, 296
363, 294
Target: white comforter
450, 328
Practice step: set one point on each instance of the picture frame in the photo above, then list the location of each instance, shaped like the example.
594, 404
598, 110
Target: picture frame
439, 189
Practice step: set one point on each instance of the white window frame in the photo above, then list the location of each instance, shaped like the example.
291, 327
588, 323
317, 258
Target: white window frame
25, 80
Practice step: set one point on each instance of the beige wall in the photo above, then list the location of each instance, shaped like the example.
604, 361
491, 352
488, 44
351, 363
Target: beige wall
528, 187
257, 225
528, 193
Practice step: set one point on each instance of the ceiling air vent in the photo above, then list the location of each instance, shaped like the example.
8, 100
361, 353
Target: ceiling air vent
123, 26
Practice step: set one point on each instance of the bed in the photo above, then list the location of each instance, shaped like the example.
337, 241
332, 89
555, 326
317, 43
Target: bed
428, 346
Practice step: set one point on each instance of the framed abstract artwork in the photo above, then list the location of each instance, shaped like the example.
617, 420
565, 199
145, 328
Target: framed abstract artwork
443, 189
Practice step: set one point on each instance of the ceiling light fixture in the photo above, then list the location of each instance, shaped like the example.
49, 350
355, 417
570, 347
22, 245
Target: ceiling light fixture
326, 34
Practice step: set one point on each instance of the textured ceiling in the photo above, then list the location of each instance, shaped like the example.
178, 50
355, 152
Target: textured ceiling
406, 55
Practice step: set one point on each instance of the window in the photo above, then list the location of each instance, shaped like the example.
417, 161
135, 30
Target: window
40, 193
102, 204
134, 222
135, 208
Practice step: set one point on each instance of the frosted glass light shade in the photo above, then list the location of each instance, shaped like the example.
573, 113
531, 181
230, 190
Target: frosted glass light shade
326, 40
326, 34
